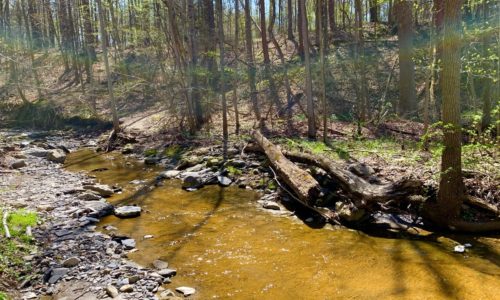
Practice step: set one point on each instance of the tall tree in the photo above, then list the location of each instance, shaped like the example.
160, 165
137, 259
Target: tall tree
251, 63
407, 95
102, 27
451, 186
311, 118
220, 27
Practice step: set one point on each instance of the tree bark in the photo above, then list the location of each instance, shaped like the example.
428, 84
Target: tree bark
305, 187
311, 118
251, 64
407, 95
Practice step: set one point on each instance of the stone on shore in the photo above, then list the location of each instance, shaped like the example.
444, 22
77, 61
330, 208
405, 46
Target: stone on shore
101, 189
127, 211
57, 156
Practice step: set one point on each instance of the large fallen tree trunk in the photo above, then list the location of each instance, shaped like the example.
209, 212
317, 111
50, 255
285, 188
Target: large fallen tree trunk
305, 187
356, 188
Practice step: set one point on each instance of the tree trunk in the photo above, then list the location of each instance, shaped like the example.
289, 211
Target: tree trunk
289, 20
306, 188
236, 54
451, 186
407, 96
251, 64
311, 119
116, 124
220, 28
331, 15
265, 51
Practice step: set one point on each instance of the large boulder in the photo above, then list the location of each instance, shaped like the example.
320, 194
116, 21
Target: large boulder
192, 180
57, 156
127, 211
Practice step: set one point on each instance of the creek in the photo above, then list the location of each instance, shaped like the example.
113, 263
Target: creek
225, 246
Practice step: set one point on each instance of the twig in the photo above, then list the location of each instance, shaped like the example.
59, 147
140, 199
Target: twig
5, 226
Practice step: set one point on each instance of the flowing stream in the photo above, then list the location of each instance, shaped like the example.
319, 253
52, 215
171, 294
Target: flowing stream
223, 245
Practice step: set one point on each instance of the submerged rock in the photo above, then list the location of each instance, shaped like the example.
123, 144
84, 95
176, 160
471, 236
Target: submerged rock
271, 205
128, 211
160, 264
127, 149
192, 181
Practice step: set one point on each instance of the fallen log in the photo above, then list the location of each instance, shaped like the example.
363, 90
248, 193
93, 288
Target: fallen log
305, 187
356, 188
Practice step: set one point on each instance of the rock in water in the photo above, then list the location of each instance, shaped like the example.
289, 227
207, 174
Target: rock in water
111, 291
57, 156
185, 290
271, 205
192, 181
99, 209
71, 262
169, 174
127, 211
128, 148
128, 244
167, 272
18, 164
224, 181
459, 249
160, 264
101, 189
151, 160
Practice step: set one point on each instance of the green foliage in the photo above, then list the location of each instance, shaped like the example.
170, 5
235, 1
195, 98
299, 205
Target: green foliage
3, 296
12, 250
150, 152
41, 114
233, 171
174, 151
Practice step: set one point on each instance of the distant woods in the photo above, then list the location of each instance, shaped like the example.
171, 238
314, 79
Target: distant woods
358, 60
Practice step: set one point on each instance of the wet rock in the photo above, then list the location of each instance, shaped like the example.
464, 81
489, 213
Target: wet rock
148, 236
128, 288
271, 205
99, 208
57, 274
347, 213
185, 290
110, 228
111, 291
101, 189
127, 211
167, 294
151, 160
160, 264
167, 272
128, 244
71, 262
459, 249
169, 174
88, 196
192, 181
127, 149
224, 181
57, 156
18, 164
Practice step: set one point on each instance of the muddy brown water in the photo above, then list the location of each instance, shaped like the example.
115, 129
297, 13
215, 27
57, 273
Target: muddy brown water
227, 248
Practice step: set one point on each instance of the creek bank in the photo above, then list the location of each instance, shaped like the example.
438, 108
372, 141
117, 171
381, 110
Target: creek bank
70, 253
